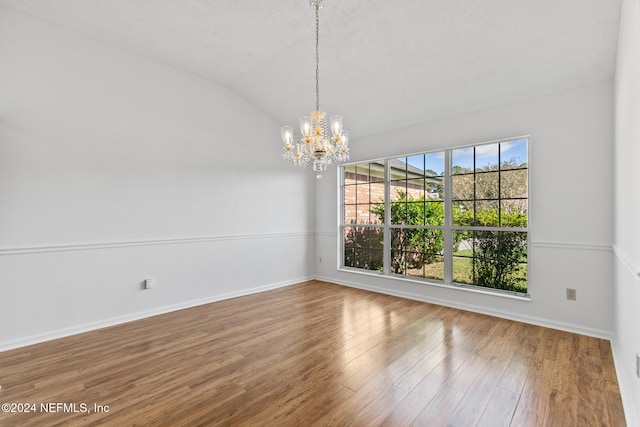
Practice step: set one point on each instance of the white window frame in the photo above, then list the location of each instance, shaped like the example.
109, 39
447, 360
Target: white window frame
448, 228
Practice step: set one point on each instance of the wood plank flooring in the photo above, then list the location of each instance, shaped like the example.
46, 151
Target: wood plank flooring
315, 354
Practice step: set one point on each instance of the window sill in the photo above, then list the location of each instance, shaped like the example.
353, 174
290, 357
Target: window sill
458, 287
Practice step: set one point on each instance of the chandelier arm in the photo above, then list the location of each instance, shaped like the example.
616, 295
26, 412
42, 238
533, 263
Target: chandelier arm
317, 7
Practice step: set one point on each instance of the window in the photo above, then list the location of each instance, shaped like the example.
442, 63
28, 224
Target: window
363, 197
457, 216
417, 215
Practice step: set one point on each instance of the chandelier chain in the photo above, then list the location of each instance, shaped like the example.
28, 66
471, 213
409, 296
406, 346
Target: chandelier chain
317, 7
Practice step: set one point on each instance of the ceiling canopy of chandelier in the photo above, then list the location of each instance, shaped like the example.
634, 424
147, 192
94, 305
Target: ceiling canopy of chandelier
315, 144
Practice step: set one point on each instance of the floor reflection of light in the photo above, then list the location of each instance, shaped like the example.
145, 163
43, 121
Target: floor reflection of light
392, 340
362, 319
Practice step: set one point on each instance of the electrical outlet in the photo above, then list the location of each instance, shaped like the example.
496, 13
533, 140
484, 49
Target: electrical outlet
638, 365
571, 294
148, 284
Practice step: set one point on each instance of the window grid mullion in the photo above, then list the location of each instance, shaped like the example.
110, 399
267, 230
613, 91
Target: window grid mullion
499, 186
386, 260
448, 220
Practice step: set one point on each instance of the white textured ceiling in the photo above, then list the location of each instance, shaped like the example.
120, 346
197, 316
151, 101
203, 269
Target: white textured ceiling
383, 64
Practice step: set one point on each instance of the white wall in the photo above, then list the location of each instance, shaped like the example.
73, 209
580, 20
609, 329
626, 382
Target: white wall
571, 199
115, 168
627, 207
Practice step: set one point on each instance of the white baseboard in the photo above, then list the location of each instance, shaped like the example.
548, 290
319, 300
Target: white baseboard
61, 333
567, 327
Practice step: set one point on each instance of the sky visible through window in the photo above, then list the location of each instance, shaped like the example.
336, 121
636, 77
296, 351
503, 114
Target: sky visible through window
486, 155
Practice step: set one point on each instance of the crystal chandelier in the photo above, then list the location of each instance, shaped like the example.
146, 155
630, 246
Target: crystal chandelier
315, 144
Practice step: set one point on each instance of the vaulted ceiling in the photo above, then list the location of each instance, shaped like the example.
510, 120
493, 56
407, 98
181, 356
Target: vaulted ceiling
383, 64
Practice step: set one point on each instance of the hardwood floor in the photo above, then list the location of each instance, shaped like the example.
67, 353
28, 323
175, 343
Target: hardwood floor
315, 354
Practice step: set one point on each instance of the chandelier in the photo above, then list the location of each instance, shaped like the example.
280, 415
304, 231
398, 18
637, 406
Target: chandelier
315, 144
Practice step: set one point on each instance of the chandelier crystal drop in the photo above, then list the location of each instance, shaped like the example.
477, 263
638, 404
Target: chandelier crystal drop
314, 144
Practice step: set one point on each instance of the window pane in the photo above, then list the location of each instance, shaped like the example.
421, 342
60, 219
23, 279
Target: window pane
463, 243
376, 172
403, 209
487, 185
486, 157
362, 213
376, 192
398, 168
462, 160
361, 173
362, 195
435, 268
349, 214
358, 190
434, 213
463, 213
434, 188
418, 253
349, 243
376, 257
364, 172
487, 213
361, 237
398, 190
398, 212
415, 188
398, 248
376, 237
434, 164
513, 154
414, 246
369, 259
462, 270
520, 279
433, 242
349, 194
364, 237
513, 213
415, 264
366, 214
462, 187
348, 234
415, 213
377, 213
415, 166
499, 257
349, 174
513, 183
349, 257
